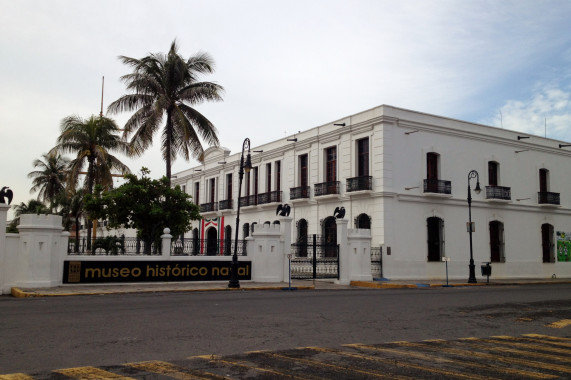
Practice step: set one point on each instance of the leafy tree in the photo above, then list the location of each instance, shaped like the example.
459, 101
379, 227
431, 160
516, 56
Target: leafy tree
144, 204
32, 207
92, 141
169, 85
50, 178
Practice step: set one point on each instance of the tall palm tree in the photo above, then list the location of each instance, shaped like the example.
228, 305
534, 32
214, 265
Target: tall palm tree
92, 141
50, 178
168, 85
33, 206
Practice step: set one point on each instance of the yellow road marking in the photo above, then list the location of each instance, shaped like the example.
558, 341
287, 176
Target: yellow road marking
173, 371
90, 373
536, 346
470, 354
550, 342
335, 367
250, 366
489, 347
464, 363
16, 376
547, 337
447, 373
560, 324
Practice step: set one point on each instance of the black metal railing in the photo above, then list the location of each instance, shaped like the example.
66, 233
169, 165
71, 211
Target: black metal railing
299, 192
360, 183
204, 247
326, 188
112, 245
437, 186
225, 205
269, 197
314, 260
498, 192
546, 197
209, 207
377, 262
248, 200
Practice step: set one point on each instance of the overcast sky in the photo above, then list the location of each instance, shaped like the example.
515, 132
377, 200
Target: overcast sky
285, 65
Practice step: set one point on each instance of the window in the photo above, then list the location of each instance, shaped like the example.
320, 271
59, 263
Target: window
212, 188
363, 221
435, 231
229, 186
302, 240
303, 170
268, 178
247, 183
183, 188
493, 173
497, 254
329, 234
245, 230
547, 245
363, 157
196, 193
278, 175
432, 166
543, 180
256, 180
331, 164
227, 241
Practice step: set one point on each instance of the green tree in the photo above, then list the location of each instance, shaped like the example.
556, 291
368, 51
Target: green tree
33, 206
50, 178
169, 85
92, 141
146, 205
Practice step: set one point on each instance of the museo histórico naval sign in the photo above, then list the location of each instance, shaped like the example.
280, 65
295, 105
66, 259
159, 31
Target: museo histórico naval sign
151, 271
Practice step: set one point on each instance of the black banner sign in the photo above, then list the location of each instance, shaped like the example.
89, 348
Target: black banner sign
150, 271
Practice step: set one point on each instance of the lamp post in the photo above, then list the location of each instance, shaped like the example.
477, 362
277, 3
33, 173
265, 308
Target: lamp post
234, 282
472, 174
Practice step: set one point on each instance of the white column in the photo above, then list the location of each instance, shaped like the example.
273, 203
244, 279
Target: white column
344, 259
3, 255
285, 224
166, 239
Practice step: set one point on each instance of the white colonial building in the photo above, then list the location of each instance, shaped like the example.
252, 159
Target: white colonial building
403, 175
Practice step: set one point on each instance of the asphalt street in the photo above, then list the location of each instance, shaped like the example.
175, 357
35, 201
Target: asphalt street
44, 334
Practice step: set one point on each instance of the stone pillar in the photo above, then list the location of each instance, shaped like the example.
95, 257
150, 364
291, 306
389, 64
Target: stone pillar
344, 259
359, 252
3, 253
40, 251
266, 250
166, 239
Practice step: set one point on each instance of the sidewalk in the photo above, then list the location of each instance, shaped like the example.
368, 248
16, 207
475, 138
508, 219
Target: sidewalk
101, 289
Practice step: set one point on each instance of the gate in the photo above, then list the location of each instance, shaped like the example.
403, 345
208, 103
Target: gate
377, 262
314, 260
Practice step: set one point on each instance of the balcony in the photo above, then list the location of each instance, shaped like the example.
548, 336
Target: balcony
248, 200
437, 186
209, 207
301, 192
225, 205
270, 197
327, 188
498, 192
547, 198
359, 183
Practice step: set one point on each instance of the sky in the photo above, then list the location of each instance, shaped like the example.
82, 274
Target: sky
285, 65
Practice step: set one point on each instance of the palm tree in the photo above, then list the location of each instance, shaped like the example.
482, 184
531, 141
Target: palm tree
50, 179
33, 206
168, 85
91, 141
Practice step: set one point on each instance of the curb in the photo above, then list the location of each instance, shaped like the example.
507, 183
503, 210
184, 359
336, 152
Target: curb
19, 293
375, 285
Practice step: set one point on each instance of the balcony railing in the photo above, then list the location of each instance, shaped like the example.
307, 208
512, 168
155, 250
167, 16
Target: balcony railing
545, 197
270, 197
327, 188
225, 205
437, 186
299, 192
248, 200
359, 183
498, 192
209, 207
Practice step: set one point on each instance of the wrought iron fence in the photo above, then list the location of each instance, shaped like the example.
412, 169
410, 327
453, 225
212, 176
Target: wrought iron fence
209, 207
225, 204
359, 183
269, 197
112, 245
248, 200
205, 247
299, 192
326, 188
498, 192
377, 262
314, 260
545, 197
437, 186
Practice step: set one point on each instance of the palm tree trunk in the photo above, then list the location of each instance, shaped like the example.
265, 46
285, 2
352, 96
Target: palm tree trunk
168, 146
90, 169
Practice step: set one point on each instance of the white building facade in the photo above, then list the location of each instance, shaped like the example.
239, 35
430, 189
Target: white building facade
403, 175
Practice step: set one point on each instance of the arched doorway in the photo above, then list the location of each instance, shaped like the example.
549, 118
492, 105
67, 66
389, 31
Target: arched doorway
363, 221
435, 231
228, 240
329, 236
302, 240
195, 242
547, 243
497, 242
211, 241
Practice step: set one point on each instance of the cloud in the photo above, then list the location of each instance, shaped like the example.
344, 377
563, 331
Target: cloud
547, 112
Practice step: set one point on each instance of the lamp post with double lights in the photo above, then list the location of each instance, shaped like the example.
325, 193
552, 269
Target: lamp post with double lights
472, 174
244, 166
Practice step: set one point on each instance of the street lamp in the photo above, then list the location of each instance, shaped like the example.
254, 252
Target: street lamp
472, 174
234, 282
